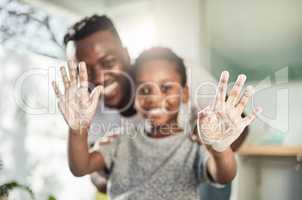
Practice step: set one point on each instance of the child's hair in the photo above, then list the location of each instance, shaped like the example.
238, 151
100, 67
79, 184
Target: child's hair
89, 25
161, 53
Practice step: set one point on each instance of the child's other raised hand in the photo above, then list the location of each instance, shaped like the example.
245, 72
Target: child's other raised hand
76, 104
220, 124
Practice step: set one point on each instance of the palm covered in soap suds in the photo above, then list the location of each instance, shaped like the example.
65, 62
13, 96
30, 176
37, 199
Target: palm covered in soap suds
220, 124
76, 104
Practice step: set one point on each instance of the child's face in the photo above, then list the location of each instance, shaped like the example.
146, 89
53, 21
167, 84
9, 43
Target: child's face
159, 92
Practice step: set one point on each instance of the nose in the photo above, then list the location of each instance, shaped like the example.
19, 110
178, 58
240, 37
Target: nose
152, 101
98, 75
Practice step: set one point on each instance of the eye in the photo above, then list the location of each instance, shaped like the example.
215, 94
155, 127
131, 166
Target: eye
165, 88
109, 63
144, 90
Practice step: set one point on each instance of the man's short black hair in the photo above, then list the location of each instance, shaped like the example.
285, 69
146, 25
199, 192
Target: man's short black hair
163, 54
88, 26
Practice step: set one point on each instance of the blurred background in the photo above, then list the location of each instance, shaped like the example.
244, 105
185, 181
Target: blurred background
262, 38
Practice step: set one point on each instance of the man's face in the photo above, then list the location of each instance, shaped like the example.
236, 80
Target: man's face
107, 62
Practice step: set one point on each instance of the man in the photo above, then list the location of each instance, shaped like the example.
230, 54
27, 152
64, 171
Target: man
96, 42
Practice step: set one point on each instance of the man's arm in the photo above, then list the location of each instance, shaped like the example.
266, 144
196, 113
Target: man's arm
99, 181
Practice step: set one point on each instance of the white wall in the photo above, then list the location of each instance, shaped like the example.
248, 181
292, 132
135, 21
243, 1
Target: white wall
268, 178
175, 24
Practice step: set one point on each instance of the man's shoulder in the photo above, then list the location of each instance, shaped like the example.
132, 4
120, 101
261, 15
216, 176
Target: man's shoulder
134, 119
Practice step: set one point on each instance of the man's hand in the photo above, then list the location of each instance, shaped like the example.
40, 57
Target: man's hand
221, 124
76, 104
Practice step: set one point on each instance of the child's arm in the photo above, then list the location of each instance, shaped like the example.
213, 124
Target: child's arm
78, 108
221, 166
81, 162
220, 124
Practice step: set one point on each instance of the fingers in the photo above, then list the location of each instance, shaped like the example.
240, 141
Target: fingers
83, 75
72, 69
56, 89
245, 99
83, 78
222, 88
65, 77
196, 138
250, 118
236, 90
95, 95
107, 139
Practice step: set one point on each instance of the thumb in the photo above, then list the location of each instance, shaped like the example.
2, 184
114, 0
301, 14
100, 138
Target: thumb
95, 94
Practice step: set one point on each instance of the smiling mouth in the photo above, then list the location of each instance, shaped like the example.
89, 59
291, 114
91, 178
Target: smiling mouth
110, 88
157, 111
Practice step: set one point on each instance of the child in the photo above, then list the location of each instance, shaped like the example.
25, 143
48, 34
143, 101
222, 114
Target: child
158, 162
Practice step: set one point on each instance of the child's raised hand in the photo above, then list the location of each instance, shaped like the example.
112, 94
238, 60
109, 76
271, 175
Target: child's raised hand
77, 105
221, 124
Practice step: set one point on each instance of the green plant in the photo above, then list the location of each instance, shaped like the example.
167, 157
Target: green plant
51, 197
6, 188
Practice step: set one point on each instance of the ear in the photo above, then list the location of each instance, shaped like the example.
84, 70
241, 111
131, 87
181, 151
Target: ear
126, 56
185, 94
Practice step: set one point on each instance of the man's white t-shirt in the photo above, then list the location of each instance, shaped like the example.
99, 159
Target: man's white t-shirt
108, 119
